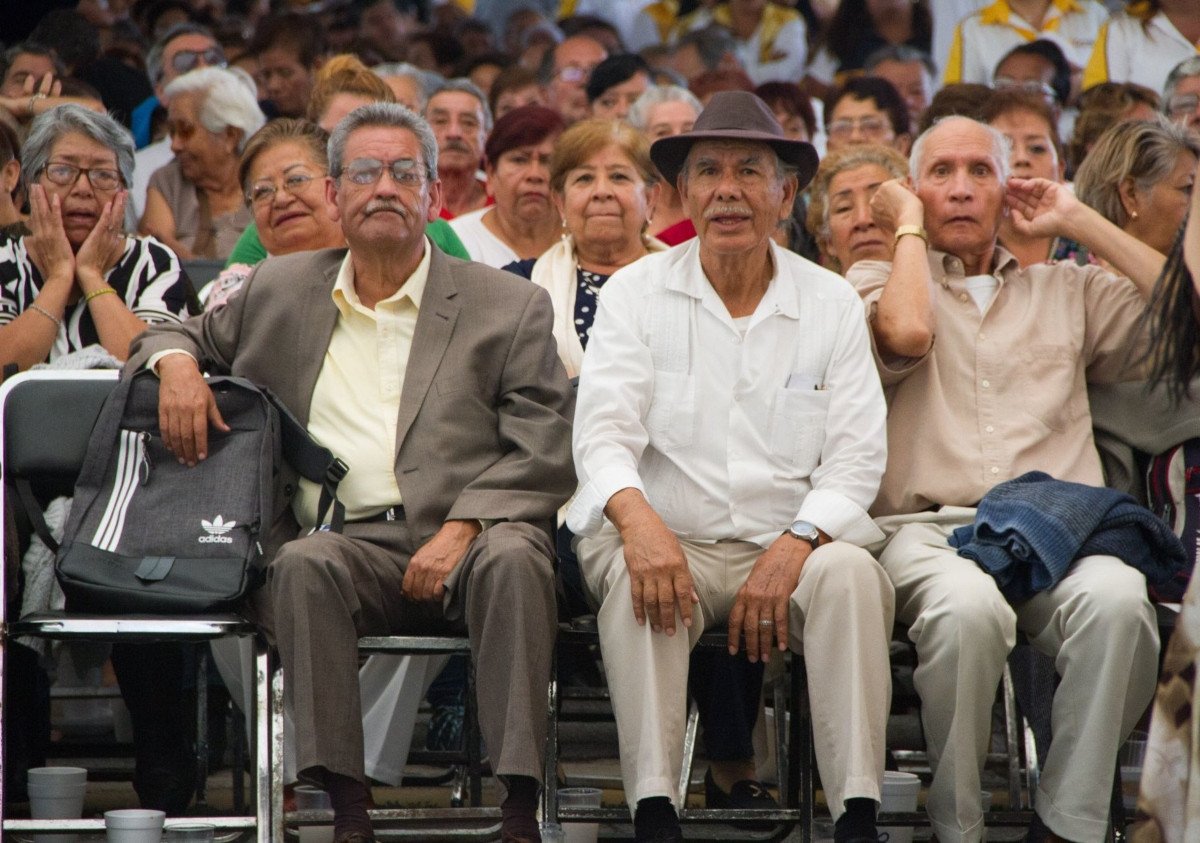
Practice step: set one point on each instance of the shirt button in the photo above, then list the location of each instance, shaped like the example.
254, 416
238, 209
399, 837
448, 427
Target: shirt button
962, 296
983, 336
995, 470
985, 384
990, 429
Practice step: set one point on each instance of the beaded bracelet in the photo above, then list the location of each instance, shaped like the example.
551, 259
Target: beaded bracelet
98, 292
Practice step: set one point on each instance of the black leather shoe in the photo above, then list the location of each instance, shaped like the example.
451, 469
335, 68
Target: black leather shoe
745, 795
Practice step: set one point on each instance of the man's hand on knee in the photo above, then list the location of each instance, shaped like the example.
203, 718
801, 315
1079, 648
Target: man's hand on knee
427, 570
658, 571
760, 612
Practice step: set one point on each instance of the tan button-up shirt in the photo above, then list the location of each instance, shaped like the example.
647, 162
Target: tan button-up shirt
1004, 391
356, 401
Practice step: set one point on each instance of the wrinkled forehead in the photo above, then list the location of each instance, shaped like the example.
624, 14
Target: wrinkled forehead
958, 141
726, 151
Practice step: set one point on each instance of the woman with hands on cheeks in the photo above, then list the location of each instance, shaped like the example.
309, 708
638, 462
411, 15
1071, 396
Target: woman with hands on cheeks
78, 279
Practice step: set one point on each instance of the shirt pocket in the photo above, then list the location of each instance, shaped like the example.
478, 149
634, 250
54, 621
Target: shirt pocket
1052, 386
798, 422
671, 418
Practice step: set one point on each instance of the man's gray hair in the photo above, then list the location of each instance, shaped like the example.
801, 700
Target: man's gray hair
903, 53
639, 112
389, 115
1001, 147
31, 48
154, 58
227, 100
1186, 69
466, 86
51, 125
427, 80
712, 43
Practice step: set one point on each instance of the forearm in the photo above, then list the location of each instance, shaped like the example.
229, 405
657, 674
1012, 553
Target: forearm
629, 510
28, 339
905, 319
1128, 255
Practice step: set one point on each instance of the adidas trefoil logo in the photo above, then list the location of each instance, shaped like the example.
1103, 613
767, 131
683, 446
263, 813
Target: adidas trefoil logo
216, 531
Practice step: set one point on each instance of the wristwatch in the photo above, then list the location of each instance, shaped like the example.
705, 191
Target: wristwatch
806, 532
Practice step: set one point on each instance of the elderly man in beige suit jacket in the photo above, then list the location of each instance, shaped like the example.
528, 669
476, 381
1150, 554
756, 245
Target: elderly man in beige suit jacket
438, 382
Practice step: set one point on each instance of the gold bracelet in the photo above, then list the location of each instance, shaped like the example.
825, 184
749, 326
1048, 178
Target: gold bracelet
99, 292
37, 308
910, 229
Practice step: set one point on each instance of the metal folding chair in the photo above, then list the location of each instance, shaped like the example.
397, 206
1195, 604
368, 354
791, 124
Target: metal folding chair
46, 418
794, 757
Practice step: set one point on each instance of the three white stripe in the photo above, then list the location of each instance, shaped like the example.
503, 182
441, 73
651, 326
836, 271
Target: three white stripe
129, 456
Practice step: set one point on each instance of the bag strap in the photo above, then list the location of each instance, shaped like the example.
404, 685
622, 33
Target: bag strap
314, 462
32, 511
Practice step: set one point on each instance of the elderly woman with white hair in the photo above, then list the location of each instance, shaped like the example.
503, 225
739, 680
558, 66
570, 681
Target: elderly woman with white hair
194, 204
662, 111
77, 279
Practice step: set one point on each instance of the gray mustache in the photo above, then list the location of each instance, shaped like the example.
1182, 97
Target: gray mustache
726, 210
456, 146
377, 205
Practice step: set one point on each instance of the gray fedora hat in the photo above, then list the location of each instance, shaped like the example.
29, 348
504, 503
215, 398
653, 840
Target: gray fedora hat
736, 116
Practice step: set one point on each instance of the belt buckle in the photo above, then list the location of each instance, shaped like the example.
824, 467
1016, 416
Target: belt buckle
389, 514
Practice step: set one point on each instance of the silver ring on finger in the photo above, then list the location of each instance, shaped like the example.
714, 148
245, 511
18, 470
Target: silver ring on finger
766, 623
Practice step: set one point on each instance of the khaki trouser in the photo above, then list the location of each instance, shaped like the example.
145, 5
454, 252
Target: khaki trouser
840, 620
1096, 624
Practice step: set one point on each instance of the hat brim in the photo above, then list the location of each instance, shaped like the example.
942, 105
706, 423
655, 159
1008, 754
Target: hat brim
669, 154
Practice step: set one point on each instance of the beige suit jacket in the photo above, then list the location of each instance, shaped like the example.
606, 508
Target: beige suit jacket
485, 413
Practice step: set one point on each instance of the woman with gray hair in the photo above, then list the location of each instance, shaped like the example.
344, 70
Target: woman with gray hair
662, 111
194, 204
1139, 177
78, 280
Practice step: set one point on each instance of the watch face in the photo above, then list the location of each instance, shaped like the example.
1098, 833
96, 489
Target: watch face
804, 530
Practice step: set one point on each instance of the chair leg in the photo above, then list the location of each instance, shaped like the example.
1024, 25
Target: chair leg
689, 753
1013, 738
201, 727
276, 743
550, 777
266, 810
472, 737
801, 784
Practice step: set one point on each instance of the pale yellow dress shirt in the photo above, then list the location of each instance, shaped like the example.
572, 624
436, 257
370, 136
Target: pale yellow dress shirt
356, 400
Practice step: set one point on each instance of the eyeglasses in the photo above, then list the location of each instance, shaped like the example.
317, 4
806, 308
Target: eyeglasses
405, 171
1031, 86
869, 126
574, 75
1182, 105
186, 60
263, 192
100, 178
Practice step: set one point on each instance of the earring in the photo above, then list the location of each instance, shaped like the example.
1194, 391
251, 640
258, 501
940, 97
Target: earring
1133, 215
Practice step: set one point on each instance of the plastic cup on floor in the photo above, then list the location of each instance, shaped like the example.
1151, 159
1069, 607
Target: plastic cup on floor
133, 825
900, 791
190, 834
580, 797
552, 833
309, 798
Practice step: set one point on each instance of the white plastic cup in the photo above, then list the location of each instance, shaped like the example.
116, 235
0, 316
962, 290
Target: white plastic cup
51, 775
309, 798
900, 791
552, 833
580, 797
133, 825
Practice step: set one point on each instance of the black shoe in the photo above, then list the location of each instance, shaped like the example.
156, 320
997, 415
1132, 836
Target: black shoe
745, 795
655, 821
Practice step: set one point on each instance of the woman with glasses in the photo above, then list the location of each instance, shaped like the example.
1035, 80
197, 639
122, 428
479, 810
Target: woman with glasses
195, 203
282, 175
77, 279
867, 110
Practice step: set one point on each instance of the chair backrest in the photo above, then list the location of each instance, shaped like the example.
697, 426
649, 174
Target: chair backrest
46, 420
202, 272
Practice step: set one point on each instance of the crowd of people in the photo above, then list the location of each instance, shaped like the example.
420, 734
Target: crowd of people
720, 315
